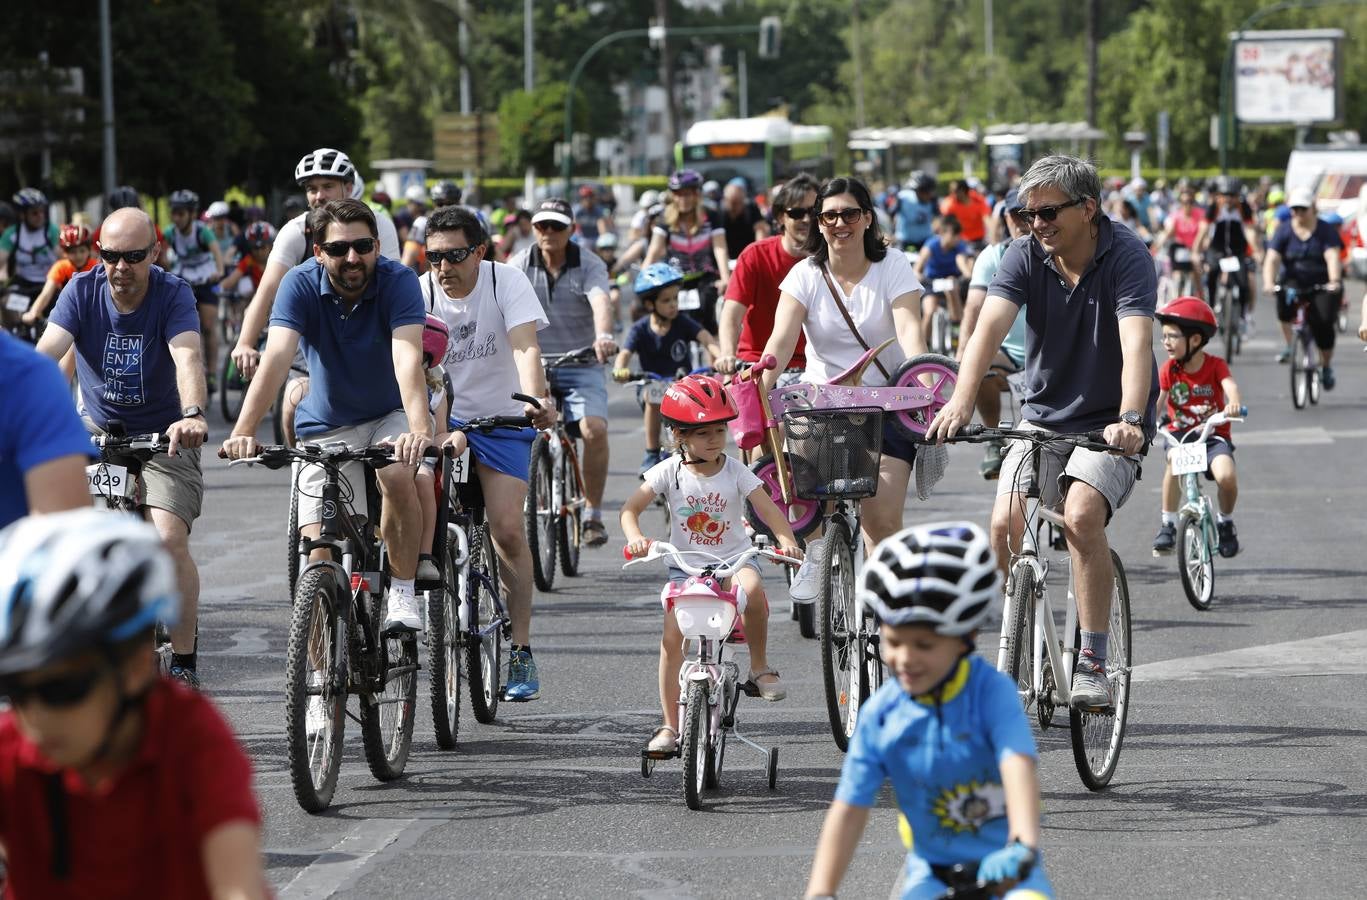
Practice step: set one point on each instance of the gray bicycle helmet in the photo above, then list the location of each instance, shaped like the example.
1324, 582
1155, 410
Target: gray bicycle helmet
445, 193
27, 198
123, 197
324, 162
184, 199
943, 575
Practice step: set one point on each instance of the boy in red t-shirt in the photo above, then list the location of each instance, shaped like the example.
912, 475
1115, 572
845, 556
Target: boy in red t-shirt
114, 782
1194, 386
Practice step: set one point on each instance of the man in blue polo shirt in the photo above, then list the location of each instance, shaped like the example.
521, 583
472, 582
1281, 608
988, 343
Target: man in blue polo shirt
43, 445
359, 317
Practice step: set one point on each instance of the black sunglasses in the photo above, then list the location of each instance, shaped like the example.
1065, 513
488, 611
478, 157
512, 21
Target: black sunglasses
549, 225
1299, 209
1047, 213
63, 691
849, 215
454, 257
799, 212
338, 249
132, 257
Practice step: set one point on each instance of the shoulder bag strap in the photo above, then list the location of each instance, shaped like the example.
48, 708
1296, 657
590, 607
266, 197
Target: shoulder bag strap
840, 305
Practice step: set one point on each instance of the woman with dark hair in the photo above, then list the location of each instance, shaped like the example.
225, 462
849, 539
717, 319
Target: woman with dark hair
848, 265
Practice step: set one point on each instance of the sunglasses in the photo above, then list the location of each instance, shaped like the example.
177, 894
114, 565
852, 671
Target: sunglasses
1299, 209
849, 216
547, 225
63, 691
132, 257
454, 257
799, 212
338, 249
1047, 213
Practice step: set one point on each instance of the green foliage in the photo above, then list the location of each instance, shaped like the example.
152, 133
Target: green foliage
530, 124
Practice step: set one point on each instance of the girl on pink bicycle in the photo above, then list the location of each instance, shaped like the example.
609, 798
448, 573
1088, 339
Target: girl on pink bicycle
707, 491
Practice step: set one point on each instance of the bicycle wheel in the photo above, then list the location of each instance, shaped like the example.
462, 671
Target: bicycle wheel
387, 715
292, 555
483, 652
841, 650
315, 682
539, 514
803, 515
1313, 368
1019, 631
443, 652
1197, 563
1229, 321
1097, 736
697, 724
1300, 375
716, 749
939, 331
571, 517
231, 389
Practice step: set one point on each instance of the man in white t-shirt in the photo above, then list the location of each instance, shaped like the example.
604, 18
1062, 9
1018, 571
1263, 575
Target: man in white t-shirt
493, 316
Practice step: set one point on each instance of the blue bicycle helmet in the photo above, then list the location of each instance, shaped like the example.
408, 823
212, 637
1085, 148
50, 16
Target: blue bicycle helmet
684, 179
28, 198
655, 278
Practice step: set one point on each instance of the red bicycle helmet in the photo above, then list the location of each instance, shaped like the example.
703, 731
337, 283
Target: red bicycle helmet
435, 337
697, 400
260, 234
1189, 314
75, 235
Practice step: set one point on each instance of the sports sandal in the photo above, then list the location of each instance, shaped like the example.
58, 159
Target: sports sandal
771, 690
664, 740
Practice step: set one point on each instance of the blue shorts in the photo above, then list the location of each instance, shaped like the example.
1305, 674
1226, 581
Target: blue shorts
502, 450
896, 444
585, 389
918, 882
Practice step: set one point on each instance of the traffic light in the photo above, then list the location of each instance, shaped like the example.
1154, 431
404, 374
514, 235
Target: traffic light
770, 31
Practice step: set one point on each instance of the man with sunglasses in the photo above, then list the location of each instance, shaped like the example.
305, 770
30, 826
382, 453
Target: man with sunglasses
1088, 290
140, 366
571, 282
359, 320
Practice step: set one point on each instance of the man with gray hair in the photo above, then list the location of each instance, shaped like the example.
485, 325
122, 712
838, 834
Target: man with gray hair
1088, 290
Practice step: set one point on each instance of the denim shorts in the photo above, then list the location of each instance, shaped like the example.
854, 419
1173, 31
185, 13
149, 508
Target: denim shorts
503, 450
585, 389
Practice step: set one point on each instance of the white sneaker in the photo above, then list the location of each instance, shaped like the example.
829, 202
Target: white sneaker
804, 587
315, 717
401, 612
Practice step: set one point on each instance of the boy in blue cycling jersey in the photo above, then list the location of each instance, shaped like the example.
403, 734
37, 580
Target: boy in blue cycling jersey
949, 732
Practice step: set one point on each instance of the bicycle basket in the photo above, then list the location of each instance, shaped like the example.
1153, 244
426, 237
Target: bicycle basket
834, 453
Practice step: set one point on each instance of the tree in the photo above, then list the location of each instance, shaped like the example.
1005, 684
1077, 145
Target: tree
530, 124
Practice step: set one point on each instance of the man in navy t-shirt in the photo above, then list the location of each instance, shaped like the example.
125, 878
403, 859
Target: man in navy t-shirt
138, 359
43, 445
359, 318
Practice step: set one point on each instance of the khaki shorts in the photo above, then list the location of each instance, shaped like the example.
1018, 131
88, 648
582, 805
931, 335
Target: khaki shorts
313, 477
173, 483
1112, 476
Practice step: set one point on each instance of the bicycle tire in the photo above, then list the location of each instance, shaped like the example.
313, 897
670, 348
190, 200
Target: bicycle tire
387, 716
939, 330
278, 413
483, 656
1019, 647
570, 520
315, 608
804, 515
1229, 322
443, 653
539, 517
1098, 737
1312, 366
1196, 565
716, 749
806, 615
1300, 376
292, 561
232, 390
696, 727
841, 651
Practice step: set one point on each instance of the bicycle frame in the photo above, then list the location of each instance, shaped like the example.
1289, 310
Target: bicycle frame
1044, 633
464, 518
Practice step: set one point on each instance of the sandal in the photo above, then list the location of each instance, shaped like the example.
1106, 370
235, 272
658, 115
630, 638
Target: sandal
664, 740
773, 690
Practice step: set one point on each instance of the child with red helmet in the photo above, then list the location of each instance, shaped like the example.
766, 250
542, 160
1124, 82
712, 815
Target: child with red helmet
75, 241
1195, 385
435, 338
707, 491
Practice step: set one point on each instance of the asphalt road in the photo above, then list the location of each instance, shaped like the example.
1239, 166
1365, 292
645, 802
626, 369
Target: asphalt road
1242, 772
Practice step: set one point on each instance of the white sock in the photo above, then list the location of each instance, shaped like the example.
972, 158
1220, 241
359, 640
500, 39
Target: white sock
1222, 518
401, 586
1169, 518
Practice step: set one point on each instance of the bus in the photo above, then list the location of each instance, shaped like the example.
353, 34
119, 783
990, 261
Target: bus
764, 151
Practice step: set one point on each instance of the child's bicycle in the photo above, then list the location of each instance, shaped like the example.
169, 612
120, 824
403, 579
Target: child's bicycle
1197, 536
709, 681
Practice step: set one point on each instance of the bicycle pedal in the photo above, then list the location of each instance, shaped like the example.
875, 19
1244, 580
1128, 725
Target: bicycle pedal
749, 689
659, 755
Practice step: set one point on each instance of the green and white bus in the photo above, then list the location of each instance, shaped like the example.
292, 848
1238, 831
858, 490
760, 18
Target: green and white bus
764, 151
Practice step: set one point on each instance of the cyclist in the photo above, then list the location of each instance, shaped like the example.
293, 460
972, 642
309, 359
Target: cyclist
226, 232
1193, 386
517, 234
75, 241
1180, 228
436, 337
1309, 250
359, 320
32, 242
641, 223
741, 218
114, 782
493, 316
916, 211
693, 239
251, 268
444, 193
572, 284
707, 491
591, 218
662, 339
946, 255
972, 211
1227, 230
1088, 291
948, 732
198, 260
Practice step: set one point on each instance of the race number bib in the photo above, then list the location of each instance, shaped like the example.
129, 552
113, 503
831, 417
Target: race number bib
1230, 264
690, 299
1181, 255
1188, 459
105, 480
942, 285
460, 467
17, 302
655, 391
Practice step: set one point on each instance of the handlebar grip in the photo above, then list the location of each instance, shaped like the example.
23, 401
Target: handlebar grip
1096, 437
1243, 411
525, 398
222, 454
766, 362
970, 431
626, 551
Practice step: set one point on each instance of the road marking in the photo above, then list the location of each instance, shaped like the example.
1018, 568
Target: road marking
347, 860
1333, 654
1283, 437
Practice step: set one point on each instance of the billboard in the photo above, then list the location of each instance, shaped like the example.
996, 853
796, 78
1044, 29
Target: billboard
1288, 77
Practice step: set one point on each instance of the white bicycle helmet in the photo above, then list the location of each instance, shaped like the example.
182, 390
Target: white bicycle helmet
416, 193
357, 187
218, 210
324, 162
75, 581
943, 574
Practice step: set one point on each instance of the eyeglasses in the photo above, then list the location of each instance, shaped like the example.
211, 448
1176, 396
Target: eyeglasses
1047, 213
548, 225
132, 257
63, 691
1299, 209
338, 249
799, 212
454, 257
849, 215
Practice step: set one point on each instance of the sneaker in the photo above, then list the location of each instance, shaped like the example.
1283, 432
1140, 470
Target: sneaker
401, 612
1284, 354
1327, 377
648, 461
991, 467
185, 676
523, 682
594, 533
427, 569
1090, 690
805, 586
315, 717
1166, 539
1229, 539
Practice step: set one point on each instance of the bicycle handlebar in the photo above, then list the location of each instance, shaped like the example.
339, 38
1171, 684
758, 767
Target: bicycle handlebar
1209, 425
275, 456
583, 356
724, 567
1090, 440
153, 441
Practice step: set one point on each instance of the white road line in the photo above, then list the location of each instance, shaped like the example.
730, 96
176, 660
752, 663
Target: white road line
1282, 437
347, 860
1333, 654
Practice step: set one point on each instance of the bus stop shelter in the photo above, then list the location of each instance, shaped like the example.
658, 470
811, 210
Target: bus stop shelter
890, 154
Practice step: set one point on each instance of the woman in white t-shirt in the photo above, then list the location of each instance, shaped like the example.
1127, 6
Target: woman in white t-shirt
493, 316
848, 257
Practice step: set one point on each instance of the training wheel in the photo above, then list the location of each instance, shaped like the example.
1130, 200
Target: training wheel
646, 766
773, 767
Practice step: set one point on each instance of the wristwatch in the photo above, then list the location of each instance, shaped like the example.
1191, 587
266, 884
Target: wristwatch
192, 412
1130, 417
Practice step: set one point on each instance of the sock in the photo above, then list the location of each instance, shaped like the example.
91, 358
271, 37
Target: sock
184, 660
1094, 646
526, 647
593, 514
401, 586
1169, 518
1222, 518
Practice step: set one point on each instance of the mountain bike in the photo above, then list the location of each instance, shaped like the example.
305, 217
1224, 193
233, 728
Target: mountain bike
1031, 650
1198, 539
1305, 369
1229, 304
942, 338
554, 509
